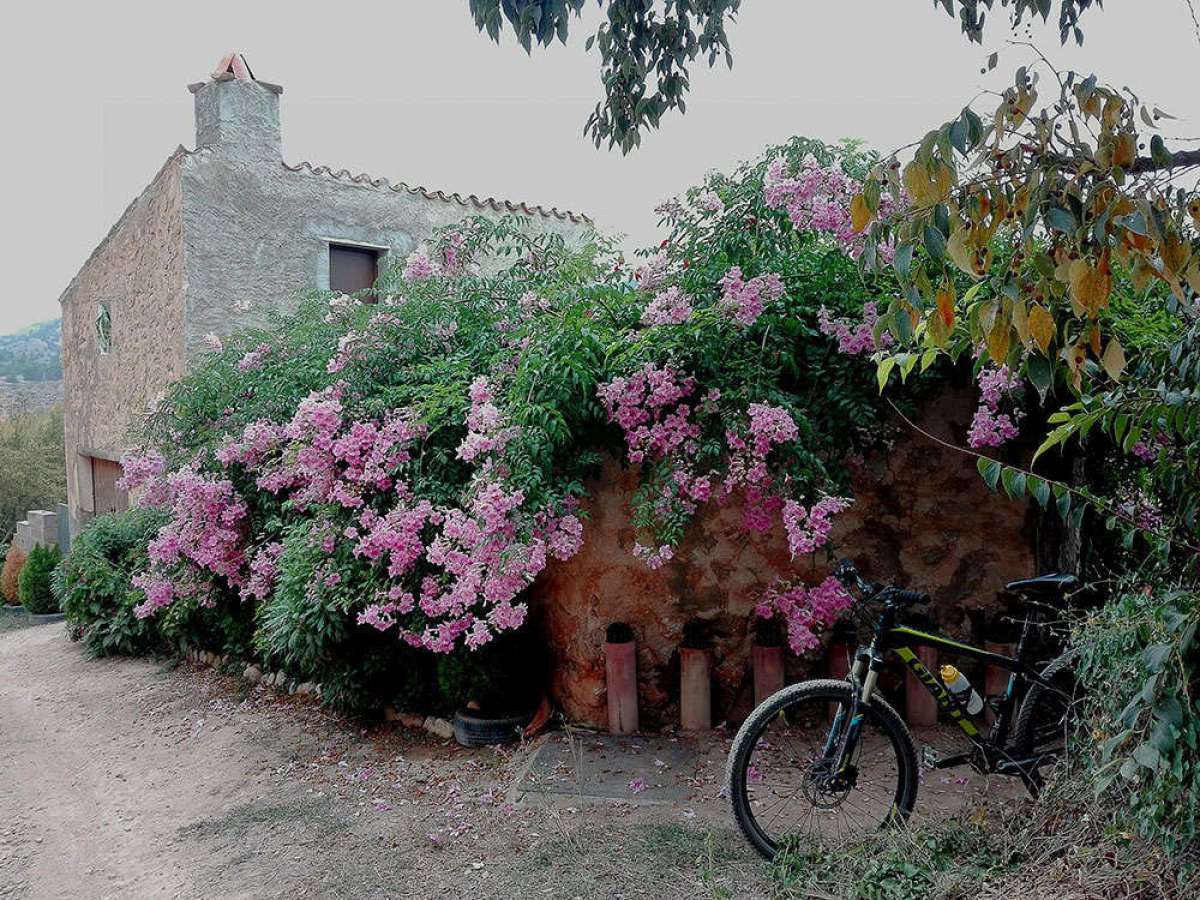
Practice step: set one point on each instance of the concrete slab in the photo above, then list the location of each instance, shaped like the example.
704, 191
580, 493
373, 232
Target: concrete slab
650, 769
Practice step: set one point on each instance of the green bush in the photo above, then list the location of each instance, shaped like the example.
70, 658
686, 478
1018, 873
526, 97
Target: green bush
1140, 665
33, 585
93, 583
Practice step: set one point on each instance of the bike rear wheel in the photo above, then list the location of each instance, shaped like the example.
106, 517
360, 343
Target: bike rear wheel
1047, 716
780, 778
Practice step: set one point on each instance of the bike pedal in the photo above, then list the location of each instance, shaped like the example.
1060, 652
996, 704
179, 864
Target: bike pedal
930, 758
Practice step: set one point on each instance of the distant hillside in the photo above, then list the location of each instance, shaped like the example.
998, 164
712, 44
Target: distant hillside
32, 354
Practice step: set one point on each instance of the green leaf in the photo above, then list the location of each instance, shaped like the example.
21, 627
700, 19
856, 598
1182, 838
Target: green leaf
1014, 483
1147, 755
1155, 657
1040, 490
990, 470
1040, 374
1062, 220
935, 244
885, 369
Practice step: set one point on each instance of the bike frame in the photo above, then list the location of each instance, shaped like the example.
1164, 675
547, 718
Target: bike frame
900, 639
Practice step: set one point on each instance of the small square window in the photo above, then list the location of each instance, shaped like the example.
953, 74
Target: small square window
352, 269
103, 327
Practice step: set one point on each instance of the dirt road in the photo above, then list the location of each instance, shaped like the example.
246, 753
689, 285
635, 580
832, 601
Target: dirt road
131, 779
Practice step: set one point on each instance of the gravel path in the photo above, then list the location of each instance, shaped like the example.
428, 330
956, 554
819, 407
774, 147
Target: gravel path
134, 778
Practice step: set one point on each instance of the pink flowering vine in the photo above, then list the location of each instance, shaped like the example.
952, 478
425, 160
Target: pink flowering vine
808, 529
744, 301
419, 267
817, 198
990, 426
805, 611
671, 307
854, 338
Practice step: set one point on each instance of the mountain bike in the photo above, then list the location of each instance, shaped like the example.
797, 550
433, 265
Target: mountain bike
829, 759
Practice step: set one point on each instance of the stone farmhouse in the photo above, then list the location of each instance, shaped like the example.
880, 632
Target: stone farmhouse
223, 235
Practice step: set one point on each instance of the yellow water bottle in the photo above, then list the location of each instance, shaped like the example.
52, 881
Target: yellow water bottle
961, 688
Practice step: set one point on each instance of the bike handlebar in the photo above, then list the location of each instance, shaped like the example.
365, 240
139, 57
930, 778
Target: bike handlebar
848, 575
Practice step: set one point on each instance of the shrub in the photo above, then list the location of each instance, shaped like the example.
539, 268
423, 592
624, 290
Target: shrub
13, 562
33, 585
93, 583
1140, 664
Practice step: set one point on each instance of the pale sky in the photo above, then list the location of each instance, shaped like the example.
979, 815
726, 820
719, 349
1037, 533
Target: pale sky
94, 98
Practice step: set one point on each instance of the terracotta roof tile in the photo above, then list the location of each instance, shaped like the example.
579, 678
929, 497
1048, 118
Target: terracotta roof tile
471, 200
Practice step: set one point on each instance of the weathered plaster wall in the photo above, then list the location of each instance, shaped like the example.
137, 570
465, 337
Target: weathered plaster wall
18, 397
138, 271
257, 231
922, 517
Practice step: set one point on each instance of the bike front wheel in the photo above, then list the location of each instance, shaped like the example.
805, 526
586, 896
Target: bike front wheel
782, 777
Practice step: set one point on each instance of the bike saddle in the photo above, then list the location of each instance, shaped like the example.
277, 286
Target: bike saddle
1044, 585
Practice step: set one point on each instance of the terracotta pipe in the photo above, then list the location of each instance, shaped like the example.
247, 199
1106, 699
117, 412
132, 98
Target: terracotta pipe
620, 668
695, 690
920, 707
768, 671
995, 679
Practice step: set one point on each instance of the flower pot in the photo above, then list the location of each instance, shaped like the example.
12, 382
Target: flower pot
695, 690
768, 671
620, 671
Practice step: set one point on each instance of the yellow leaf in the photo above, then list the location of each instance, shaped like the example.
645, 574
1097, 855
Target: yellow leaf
1020, 320
860, 213
1041, 326
998, 340
960, 252
1090, 287
1113, 359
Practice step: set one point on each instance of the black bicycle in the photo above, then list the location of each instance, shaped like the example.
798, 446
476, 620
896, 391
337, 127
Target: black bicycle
828, 759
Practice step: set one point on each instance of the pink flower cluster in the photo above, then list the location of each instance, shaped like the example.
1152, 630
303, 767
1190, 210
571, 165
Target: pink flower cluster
264, 570
205, 538
767, 428
453, 257
805, 611
650, 276
808, 529
419, 267
1148, 449
485, 433
817, 198
744, 301
318, 458
853, 338
671, 307
648, 406
143, 472
709, 201
254, 359
990, 427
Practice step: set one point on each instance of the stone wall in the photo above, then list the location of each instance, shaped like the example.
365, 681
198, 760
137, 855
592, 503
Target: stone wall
138, 271
18, 397
922, 517
257, 232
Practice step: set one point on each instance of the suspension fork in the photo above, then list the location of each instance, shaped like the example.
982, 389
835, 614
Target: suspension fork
868, 662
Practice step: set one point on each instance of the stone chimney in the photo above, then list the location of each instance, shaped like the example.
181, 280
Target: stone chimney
237, 114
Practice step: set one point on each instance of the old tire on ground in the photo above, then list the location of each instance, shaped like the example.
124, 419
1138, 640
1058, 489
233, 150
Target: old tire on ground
474, 730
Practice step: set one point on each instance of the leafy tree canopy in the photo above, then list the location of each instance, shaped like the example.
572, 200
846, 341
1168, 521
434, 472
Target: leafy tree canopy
646, 46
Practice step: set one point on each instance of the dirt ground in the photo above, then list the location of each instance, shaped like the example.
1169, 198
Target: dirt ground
134, 778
